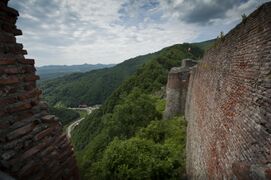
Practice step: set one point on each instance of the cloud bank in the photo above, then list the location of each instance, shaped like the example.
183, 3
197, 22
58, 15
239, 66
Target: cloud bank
110, 31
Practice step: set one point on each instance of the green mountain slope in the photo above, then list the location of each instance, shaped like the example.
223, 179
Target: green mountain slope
116, 126
91, 87
205, 45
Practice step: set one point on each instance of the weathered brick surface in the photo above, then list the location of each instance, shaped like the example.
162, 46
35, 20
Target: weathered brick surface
32, 144
228, 105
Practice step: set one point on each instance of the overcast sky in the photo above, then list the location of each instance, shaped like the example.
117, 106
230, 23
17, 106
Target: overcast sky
111, 31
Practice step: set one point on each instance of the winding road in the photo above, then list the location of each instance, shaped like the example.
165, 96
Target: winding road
77, 122
72, 126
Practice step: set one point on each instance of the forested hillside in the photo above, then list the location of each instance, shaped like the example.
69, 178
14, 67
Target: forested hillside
126, 138
65, 115
91, 87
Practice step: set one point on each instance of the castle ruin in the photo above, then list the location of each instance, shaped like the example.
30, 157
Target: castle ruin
176, 89
227, 108
32, 144
228, 104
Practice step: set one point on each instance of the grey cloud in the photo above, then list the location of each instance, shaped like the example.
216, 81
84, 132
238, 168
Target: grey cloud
71, 31
202, 11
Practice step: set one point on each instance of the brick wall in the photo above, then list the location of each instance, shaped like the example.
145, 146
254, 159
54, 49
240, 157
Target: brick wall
228, 106
32, 145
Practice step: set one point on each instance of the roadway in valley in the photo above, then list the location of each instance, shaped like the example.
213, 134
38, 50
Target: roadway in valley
77, 122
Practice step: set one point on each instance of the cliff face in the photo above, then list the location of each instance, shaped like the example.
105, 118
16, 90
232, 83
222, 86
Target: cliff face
228, 105
32, 145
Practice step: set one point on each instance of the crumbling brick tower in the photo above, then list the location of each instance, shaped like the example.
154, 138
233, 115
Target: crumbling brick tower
176, 91
32, 145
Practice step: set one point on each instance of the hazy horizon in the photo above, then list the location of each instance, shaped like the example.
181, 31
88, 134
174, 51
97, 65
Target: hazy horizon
68, 32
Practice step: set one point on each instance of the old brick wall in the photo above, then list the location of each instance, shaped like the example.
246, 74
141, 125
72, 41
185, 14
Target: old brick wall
228, 107
176, 89
32, 145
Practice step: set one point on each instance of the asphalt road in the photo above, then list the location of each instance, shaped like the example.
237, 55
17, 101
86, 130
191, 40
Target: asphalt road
76, 123
72, 126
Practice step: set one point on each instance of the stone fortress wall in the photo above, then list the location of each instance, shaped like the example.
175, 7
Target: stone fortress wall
32, 144
176, 89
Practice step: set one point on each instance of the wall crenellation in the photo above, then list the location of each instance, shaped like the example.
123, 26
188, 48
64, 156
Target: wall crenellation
32, 144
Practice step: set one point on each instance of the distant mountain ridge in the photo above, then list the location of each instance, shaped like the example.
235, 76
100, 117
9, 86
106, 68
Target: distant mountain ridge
54, 71
91, 87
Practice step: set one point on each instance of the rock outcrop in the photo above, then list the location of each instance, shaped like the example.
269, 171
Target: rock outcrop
32, 144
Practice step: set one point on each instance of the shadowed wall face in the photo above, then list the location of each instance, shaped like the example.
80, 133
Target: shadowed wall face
228, 104
177, 85
32, 145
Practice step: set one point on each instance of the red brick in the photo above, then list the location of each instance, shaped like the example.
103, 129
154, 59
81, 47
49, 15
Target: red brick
9, 80
20, 131
7, 101
27, 61
29, 69
29, 94
27, 160
28, 168
46, 151
241, 170
7, 61
31, 78
48, 118
7, 39
30, 86
2, 113
60, 138
23, 115
44, 133
19, 107
32, 151
10, 70
4, 124
268, 173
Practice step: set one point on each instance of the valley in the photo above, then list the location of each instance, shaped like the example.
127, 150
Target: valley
131, 117
131, 112
76, 122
